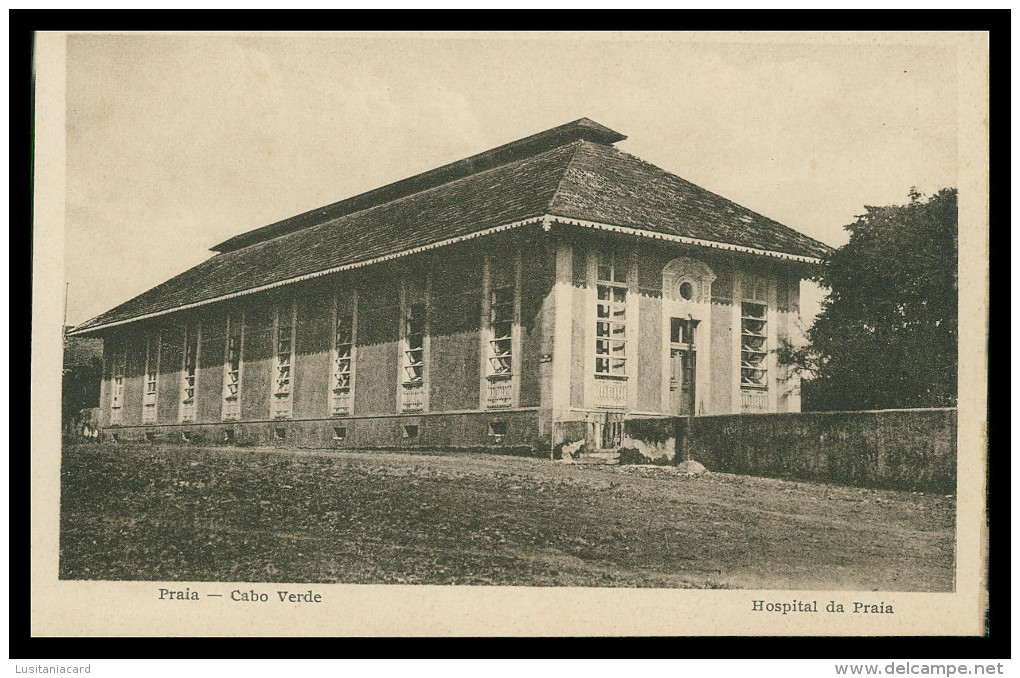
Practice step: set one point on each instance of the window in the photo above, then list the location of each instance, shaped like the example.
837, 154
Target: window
339, 433
686, 290
501, 314
413, 333
611, 316
118, 359
189, 374
681, 331
232, 367
414, 348
152, 341
753, 345
411, 431
343, 357
283, 404
414, 358
501, 318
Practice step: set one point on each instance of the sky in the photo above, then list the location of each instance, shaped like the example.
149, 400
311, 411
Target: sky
176, 142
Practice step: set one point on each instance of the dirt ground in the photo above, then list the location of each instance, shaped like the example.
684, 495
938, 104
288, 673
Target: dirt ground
150, 512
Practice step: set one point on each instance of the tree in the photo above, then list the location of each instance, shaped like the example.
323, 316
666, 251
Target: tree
887, 333
83, 373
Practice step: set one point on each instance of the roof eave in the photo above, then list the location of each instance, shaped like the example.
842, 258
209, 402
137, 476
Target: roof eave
547, 221
655, 235
309, 276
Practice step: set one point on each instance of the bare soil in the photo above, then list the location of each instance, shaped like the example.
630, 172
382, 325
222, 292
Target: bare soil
165, 513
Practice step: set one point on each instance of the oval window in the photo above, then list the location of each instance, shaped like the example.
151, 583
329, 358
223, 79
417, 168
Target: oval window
686, 290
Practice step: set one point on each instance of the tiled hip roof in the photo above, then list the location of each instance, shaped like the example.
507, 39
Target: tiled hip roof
580, 180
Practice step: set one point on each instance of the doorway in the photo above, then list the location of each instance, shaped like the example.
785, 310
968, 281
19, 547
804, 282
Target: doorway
683, 360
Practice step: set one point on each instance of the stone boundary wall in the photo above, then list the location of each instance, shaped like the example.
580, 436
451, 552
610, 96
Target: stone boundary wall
912, 450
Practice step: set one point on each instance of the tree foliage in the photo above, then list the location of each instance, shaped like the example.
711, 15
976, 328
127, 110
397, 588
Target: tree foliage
83, 373
887, 333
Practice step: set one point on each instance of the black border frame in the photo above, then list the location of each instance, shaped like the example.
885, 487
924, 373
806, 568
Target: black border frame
993, 645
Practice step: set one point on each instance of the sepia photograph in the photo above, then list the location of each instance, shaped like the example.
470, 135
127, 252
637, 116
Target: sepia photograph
542, 313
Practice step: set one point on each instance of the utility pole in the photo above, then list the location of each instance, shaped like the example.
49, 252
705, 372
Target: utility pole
694, 385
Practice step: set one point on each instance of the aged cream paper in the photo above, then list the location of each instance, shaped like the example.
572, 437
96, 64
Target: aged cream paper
92, 608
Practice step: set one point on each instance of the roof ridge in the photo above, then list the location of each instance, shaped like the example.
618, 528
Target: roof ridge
424, 191
504, 154
566, 170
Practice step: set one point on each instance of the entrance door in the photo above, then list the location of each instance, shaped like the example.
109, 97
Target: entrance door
683, 366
